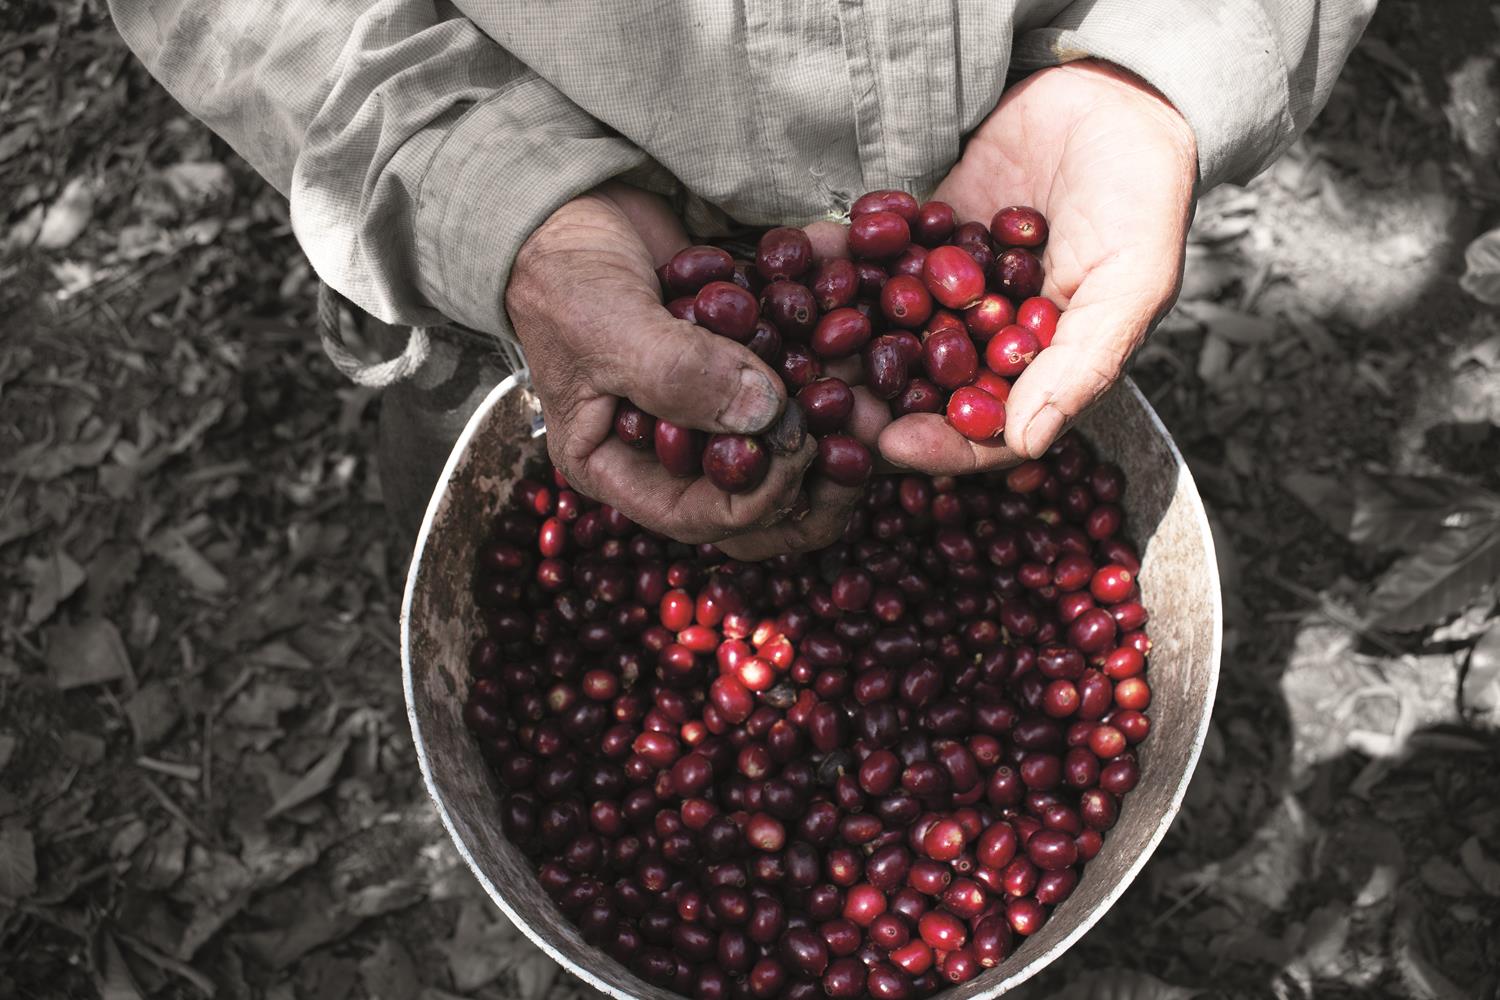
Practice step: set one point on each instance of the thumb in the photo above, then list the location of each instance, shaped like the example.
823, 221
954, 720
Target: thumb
688, 375
1095, 337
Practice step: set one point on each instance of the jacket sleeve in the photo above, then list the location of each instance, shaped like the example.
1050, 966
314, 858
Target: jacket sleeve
417, 154
1248, 75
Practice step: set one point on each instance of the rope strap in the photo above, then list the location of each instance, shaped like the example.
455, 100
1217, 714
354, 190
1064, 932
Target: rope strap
331, 330
336, 317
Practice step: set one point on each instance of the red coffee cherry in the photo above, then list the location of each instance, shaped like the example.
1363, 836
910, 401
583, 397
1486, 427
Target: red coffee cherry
953, 277
976, 414
1018, 226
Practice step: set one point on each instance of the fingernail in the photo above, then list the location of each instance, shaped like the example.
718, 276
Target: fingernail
754, 406
786, 435
1042, 430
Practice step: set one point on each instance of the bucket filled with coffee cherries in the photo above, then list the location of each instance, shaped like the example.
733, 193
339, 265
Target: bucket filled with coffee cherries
924, 759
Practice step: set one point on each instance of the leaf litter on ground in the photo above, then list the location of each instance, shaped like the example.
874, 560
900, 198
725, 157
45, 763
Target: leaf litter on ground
1483, 869
87, 652
68, 216
17, 863
53, 579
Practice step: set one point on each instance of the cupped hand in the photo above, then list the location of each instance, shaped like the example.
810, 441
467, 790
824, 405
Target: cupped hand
1112, 165
583, 300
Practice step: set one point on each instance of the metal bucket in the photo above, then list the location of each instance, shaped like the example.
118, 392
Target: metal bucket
1179, 582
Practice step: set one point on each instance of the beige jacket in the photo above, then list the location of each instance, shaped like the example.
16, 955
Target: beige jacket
421, 142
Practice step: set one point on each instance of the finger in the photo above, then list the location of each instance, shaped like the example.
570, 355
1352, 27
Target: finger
685, 374
829, 239
828, 509
1095, 338
688, 510
925, 442
851, 369
652, 217
870, 417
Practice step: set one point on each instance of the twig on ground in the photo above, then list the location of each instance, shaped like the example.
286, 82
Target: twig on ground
1338, 616
208, 762
175, 810
84, 829
166, 962
172, 769
1179, 903
235, 688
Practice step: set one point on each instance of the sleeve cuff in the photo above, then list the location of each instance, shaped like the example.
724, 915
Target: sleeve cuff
1218, 63
503, 168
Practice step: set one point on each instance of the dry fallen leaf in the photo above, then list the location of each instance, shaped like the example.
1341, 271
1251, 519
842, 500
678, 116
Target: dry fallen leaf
17, 863
374, 900
163, 859
1444, 878
1481, 277
312, 784
153, 711
197, 184
1423, 979
82, 748
24, 231
482, 947
535, 975
388, 972
15, 525
1481, 685
174, 548
278, 653
1324, 938
53, 578
68, 216
318, 922
16, 139
47, 460
129, 837
88, 652
1481, 868
1239, 328
1474, 396
112, 976
260, 705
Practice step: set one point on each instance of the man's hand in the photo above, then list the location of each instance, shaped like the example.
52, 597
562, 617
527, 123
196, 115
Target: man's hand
583, 299
1112, 165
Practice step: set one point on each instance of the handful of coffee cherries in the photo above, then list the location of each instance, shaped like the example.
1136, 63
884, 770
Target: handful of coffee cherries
942, 317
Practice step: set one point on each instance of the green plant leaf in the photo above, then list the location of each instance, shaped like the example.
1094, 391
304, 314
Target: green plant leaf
1438, 580
1402, 513
17, 863
1393, 513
